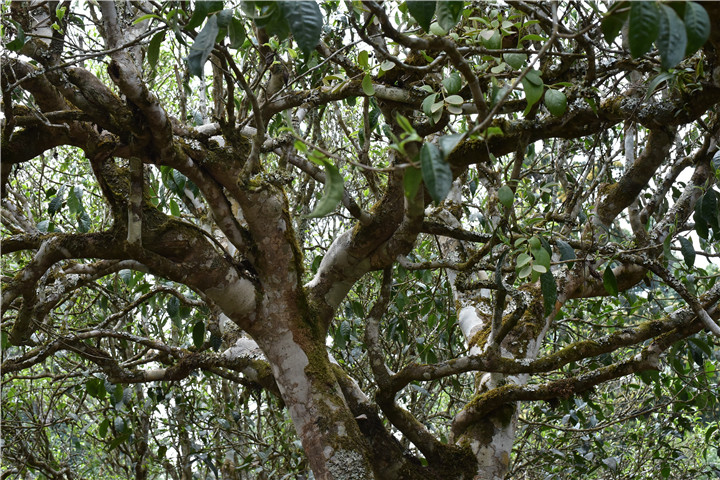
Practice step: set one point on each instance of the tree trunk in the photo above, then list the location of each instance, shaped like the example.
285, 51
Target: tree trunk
480, 318
330, 436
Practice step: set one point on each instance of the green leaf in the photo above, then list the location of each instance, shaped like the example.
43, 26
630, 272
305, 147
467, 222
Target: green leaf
672, 39
712, 428
103, 428
153, 52
708, 206
404, 123
174, 208
644, 27
539, 268
556, 102
533, 92
612, 24
709, 210
345, 329
453, 83
202, 10
374, 117
387, 65
363, 59
340, 339
236, 31
515, 60
525, 271
436, 29
118, 440
448, 143
648, 376
454, 100
697, 26
201, 48
532, 38
173, 307
19, 40
84, 222
428, 103
224, 17
118, 394
534, 77
272, 19
74, 200
449, 13
146, 17
656, 81
611, 463
422, 12
715, 162
454, 109
549, 291
367, 85
92, 387
688, 251
179, 180
523, 259
701, 225
609, 281
436, 172
306, 21
119, 423
333, 193
566, 251
506, 196
300, 146
198, 334
411, 181
534, 243
493, 42
55, 204
542, 257
546, 245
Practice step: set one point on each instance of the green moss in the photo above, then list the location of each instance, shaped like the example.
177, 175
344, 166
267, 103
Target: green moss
474, 150
530, 324
495, 412
255, 184
466, 153
613, 103
332, 406
480, 337
292, 240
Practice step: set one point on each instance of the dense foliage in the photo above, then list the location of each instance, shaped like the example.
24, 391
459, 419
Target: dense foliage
393, 240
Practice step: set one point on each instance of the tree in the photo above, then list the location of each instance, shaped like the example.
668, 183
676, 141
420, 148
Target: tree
415, 231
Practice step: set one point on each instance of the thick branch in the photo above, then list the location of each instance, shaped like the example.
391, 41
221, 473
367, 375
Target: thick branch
620, 195
489, 362
123, 71
487, 402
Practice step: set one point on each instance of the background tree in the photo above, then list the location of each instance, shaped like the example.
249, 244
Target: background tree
360, 240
